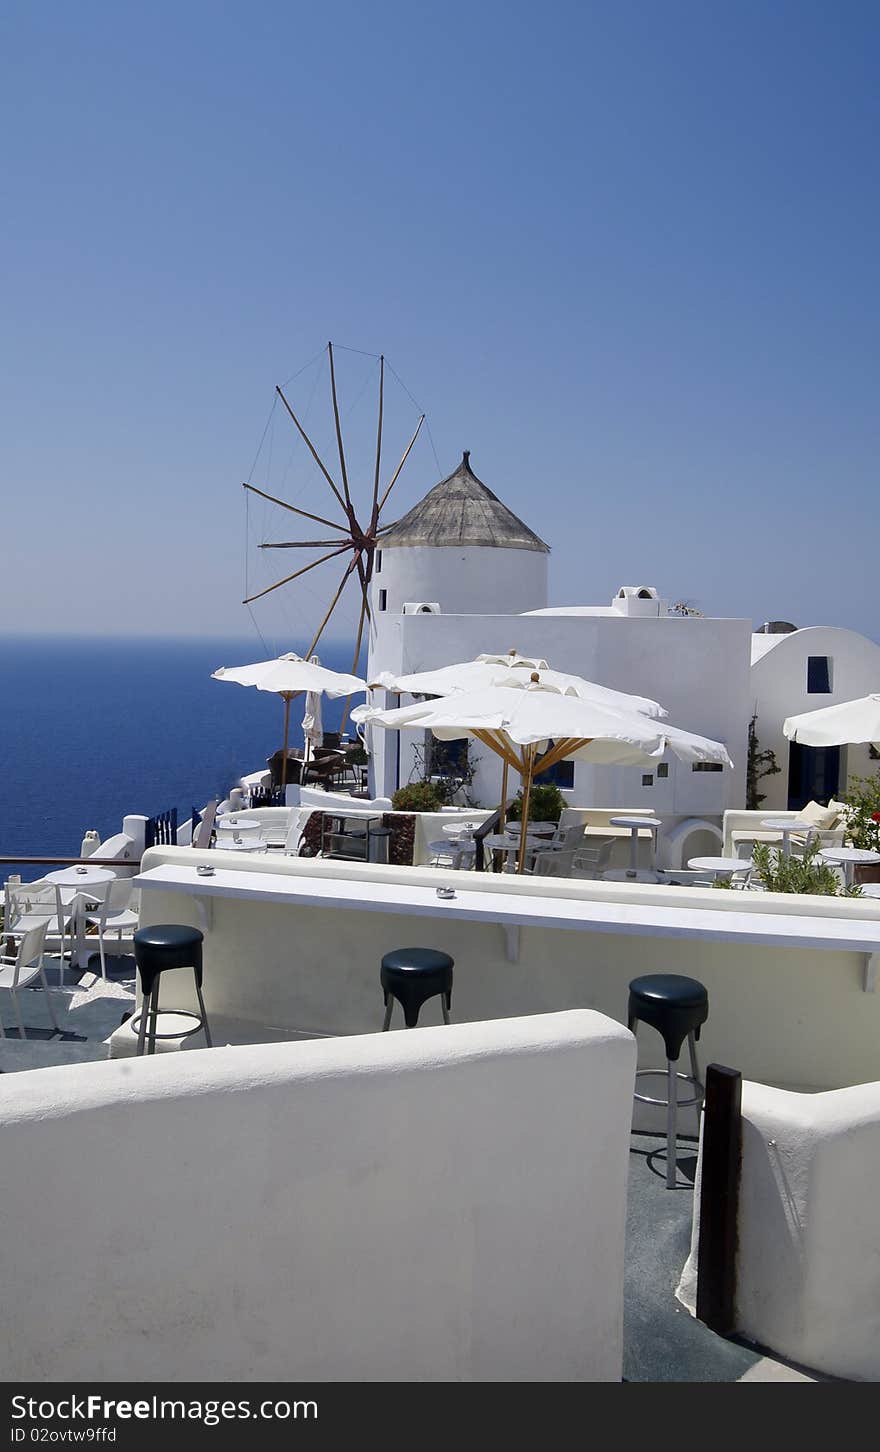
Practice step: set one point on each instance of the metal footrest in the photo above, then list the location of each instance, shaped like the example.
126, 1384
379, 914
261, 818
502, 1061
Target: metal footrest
664, 1074
135, 1023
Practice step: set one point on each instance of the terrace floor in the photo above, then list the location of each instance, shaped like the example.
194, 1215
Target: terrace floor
662, 1341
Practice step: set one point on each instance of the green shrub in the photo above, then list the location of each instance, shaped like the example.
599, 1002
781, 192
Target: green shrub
798, 874
863, 818
419, 796
545, 804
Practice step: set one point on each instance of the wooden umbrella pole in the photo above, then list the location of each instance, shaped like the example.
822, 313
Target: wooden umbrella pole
528, 759
504, 772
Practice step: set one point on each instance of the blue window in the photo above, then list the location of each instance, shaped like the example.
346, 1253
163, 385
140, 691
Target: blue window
818, 675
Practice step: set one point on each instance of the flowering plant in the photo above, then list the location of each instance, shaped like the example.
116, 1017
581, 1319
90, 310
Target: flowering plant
863, 817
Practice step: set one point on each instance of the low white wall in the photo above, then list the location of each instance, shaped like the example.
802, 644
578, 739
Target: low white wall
445, 1205
316, 969
808, 1262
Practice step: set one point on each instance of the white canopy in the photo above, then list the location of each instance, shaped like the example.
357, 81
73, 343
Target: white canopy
850, 723
510, 670
289, 675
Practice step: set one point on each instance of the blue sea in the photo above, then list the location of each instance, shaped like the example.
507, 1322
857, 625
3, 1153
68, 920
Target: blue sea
94, 728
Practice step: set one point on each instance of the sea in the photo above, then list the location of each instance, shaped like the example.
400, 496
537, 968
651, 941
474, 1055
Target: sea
93, 728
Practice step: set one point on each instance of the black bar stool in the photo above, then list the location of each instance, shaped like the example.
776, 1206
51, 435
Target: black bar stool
156, 951
676, 1007
412, 976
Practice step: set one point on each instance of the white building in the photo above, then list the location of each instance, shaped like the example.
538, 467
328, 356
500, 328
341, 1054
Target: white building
460, 574
804, 670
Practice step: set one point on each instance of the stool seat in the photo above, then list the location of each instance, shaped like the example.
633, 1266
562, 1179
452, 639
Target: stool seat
672, 1004
412, 976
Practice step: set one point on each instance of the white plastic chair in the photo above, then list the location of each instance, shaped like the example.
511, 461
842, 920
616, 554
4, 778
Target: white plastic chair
590, 862
23, 969
113, 912
554, 864
28, 904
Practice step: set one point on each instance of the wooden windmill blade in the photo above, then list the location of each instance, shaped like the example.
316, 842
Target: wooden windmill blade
354, 538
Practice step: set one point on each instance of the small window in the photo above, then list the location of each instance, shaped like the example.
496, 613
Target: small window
383, 599
818, 675
647, 779
707, 766
378, 561
663, 771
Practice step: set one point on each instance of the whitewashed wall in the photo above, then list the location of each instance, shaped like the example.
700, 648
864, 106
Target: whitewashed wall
778, 689
469, 579
317, 969
808, 1263
443, 1205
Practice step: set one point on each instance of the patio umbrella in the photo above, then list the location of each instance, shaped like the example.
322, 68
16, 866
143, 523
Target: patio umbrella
849, 724
289, 676
510, 669
519, 725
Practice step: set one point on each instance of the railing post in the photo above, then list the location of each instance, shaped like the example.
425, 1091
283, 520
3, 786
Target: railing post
719, 1198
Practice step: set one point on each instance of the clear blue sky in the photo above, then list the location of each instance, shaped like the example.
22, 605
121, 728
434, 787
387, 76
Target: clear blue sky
626, 252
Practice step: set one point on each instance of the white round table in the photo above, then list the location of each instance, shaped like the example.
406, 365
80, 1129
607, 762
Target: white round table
507, 842
871, 889
636, 824
459, 829
247, 844
786, 827
721, 866
232, 825
848, 858
80, 876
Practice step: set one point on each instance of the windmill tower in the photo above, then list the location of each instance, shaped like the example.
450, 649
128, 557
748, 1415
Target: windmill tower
459, 551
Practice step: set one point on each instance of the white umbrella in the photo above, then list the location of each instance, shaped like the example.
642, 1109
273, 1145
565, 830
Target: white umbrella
519, 724
510, 669
289, 676
850, 723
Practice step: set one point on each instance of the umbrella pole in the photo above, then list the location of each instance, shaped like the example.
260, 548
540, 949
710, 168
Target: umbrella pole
286, 737
503, 795
528, 767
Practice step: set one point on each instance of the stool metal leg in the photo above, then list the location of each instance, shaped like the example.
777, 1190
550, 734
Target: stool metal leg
695, 1075
142, 1028
445, 1005
671, 1114
204, 1015
154, 1017
389, 1008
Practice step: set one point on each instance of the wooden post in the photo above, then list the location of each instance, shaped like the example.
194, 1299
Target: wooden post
719, 1199
528, 756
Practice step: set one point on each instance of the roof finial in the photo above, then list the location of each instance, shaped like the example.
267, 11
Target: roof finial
466, 458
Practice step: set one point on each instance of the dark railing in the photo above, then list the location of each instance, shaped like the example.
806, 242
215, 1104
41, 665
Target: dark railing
95, 861
161, 830
267, 796
490, 825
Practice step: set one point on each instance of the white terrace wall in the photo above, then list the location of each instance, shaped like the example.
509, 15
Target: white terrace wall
808, 1263
441, 1205
793, 1016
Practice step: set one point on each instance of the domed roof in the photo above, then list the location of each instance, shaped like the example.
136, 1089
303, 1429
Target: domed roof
460, 510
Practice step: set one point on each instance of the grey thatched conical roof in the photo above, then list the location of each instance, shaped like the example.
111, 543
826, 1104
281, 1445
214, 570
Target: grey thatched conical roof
460, 510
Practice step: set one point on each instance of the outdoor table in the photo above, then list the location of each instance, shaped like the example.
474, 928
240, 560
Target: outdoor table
247, 844
234, 825
848, 858
775, 824
80, 878
870, 889
721, 866
459, 829
506, 842
635, 825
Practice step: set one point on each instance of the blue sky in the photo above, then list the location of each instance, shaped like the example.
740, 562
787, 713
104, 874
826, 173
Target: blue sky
627, 253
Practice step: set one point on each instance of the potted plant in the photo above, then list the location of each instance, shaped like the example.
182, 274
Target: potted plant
545, 804
863, 822
779, 873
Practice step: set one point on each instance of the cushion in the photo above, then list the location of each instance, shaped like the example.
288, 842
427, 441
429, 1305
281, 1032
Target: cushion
818, 816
